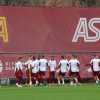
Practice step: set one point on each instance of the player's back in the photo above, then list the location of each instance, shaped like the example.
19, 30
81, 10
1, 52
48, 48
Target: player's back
52, 64
95, 62
18, 65
74, 65
63, 65
43, 64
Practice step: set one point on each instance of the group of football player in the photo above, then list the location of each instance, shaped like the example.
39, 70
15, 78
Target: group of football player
41, 71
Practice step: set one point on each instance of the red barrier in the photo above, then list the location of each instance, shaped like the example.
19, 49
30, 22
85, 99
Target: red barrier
47, 29
29, 29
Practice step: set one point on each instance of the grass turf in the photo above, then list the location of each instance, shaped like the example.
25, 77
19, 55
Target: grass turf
83, 92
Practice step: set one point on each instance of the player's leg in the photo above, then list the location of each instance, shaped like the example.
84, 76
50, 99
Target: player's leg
53, 77
97, 78
50, 77
17, 78
95, 75
20, 78
62, 78
36, 79
40, 77
30, 77
76, 76
71, 78
44, 77
27, 76
58, 77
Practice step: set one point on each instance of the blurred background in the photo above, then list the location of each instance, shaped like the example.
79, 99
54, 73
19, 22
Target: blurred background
52, 3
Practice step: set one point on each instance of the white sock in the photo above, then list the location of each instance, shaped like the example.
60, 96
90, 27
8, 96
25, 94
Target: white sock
63, 82
71, 83
76, 80
59, 82
97, 81
37, 82
17, 84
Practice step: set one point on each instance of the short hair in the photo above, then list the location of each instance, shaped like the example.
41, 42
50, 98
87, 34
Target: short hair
42, 56
19, 58
33, 57
62, 56
74, 55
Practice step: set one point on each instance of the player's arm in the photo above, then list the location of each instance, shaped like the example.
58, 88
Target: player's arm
55, 64
30, 75
91, 64
78, 64
48, 66
59, 65
15, 68
67, 66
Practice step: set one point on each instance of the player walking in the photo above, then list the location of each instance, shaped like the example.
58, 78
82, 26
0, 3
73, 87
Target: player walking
35, 70
74, 70
18, 72
29, 71
52, 68
43, 65
95, 66
63, 65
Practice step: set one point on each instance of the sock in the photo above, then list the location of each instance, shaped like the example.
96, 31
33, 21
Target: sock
37, 82
71, 83
97, 81
59, 82
63, 82
76, 80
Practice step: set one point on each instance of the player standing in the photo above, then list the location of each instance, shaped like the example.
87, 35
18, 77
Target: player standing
1, 66
63, 65
52, 64
18, 72
74, 70
28, 70
43, 65
95, 66
35, 70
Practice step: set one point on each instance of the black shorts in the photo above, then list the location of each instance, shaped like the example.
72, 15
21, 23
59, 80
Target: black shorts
74, 74
34, 75
19, 74
42, 73
52, 74
62, 73
96, 73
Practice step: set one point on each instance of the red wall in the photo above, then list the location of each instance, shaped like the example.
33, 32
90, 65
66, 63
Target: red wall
45, 29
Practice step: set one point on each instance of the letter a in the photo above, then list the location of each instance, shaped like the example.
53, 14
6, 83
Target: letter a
81, 30
3, 29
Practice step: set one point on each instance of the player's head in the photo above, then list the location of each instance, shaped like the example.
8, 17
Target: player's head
52, 57
95, 56
30, 57
20, 58
38, 57
33, 58
42, 56
74, 56
62, 57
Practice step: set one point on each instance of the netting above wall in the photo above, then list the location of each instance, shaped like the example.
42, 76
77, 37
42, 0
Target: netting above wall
52, 3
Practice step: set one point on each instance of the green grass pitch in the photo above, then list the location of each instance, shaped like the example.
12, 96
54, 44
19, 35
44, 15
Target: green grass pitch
83, 92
